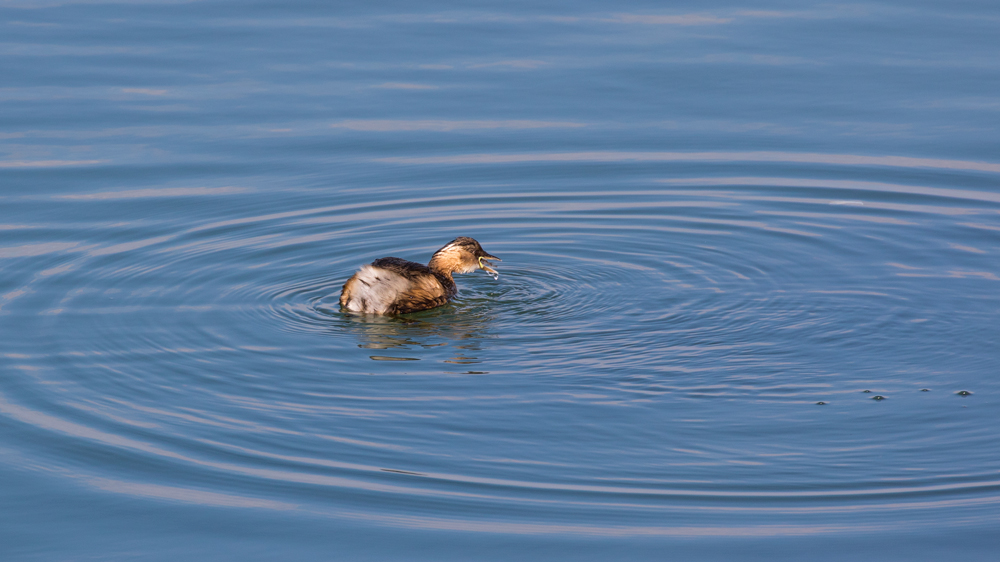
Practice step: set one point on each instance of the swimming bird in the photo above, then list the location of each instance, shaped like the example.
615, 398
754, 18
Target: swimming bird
397, 286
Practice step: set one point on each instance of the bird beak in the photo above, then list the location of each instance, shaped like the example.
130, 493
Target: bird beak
485, 265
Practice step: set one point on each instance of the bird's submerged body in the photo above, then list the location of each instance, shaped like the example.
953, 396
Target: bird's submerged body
397, 286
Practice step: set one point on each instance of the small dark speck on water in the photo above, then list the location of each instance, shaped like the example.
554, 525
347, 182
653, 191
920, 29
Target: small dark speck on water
878, 397
821, 403
401, 471
867, 391
964, 393
925, 390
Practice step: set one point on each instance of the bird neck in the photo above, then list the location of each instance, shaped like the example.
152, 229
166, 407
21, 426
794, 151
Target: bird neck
442, 267
442, 273
445, 263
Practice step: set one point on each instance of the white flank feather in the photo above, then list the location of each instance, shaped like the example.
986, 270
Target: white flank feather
375, 290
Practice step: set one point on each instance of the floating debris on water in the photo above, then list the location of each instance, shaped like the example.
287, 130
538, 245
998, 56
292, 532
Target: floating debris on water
964, 393
878, 397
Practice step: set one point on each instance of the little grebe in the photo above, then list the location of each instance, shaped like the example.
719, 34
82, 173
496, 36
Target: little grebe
397, 286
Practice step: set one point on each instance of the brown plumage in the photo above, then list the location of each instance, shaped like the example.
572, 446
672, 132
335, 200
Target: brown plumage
397, 286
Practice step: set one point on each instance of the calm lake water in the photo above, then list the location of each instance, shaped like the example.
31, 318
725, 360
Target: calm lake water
748, 309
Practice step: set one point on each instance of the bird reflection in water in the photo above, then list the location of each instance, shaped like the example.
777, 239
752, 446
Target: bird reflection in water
465, 330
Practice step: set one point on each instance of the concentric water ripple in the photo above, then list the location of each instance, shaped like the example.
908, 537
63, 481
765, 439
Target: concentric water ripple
648, 363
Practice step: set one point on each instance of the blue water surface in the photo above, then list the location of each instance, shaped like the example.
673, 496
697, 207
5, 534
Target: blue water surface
748, 307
